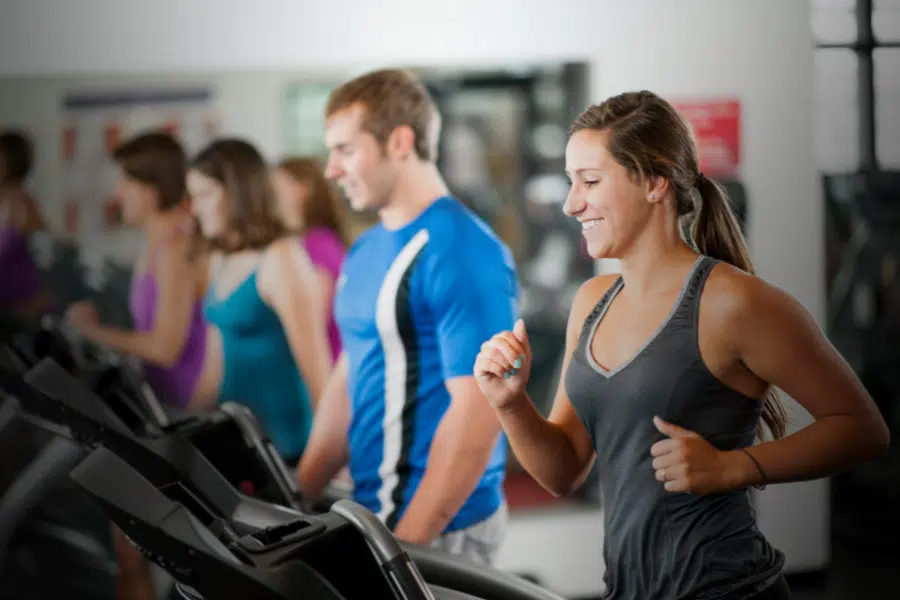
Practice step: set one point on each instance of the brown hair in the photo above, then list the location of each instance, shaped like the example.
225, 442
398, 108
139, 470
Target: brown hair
325, 206
648, 137
392, 98
17, 155
252, 220
158, 160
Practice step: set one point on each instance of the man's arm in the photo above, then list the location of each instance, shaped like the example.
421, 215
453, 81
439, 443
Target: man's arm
473, 295
327, 450
460, 451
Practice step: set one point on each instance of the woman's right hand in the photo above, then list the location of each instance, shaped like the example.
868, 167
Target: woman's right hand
82, 316
503, 366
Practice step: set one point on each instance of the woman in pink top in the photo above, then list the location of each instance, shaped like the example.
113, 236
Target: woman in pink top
309, 204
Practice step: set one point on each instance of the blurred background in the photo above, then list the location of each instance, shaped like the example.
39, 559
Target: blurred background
795, 105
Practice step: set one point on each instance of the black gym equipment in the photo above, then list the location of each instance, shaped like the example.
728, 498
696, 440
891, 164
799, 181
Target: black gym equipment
184, 475
345, 554
108, 373
52, 394
44, 515
229, 436
54, 540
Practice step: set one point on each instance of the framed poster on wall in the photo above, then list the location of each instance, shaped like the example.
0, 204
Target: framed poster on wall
717, 127
94, 123
717, 130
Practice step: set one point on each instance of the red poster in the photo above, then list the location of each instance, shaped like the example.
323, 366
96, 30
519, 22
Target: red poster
112, 213
717, 129
171, 127
69, 141
71, 216
112, 133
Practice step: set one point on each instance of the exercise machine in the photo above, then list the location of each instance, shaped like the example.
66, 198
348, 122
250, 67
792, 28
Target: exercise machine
229, 436
54, 540
345, 554
184, 475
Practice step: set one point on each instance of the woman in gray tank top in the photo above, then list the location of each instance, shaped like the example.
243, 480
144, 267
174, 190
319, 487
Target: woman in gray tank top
670, 372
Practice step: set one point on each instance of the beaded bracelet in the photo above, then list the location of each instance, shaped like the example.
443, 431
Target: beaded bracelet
762, 485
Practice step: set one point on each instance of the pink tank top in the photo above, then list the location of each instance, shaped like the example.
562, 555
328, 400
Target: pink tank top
326, 251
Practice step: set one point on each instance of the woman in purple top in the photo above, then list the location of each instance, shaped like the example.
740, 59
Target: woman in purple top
22, 295
169, 334
309, 204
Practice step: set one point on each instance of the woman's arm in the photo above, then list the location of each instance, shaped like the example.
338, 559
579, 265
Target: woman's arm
32, 220
557, 452
325, 251
326, 290
176, 295
24, 215
289, 285
778, 340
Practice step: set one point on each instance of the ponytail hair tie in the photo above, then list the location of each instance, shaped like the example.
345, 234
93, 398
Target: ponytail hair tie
700, 177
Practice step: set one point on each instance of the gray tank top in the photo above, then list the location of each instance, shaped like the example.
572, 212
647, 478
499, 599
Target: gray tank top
661, 545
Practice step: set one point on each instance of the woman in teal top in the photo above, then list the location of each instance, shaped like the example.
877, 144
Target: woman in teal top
267, 347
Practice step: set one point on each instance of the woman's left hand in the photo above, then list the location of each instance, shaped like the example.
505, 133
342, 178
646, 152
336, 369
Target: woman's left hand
688, 463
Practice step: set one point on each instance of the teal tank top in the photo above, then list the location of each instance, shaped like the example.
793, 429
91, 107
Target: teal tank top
258, 368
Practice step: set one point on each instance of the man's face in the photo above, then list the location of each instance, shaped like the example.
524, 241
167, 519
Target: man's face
357, 162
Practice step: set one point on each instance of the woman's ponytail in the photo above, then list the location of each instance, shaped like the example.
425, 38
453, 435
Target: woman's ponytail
716, 233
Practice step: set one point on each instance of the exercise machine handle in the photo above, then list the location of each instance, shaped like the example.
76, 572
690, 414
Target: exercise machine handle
401, 571
9, 408
254, 436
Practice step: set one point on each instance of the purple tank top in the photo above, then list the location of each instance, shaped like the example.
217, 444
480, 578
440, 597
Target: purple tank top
21, 280
173, 385
326, 251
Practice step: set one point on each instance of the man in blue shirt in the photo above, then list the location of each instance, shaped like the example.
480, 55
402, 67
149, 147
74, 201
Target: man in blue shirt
418, 295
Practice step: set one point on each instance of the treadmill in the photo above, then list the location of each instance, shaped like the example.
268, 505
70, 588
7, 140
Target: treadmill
54, 539
183, 475
229, 436
342, 555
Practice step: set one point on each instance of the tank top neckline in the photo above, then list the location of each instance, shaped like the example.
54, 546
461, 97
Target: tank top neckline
215, 294
149, 268
604, 304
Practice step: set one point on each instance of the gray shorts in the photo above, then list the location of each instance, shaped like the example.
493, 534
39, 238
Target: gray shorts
479, 542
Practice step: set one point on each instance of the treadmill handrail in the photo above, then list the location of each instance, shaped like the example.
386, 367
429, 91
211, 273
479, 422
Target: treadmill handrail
438, 567
448, 570
9, 407
87, 353
86, 415
153, 522
398, 567
41, 378
46, 470
255, 436
385, 545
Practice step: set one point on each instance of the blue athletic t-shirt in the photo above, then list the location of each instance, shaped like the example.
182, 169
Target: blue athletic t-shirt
414, 305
